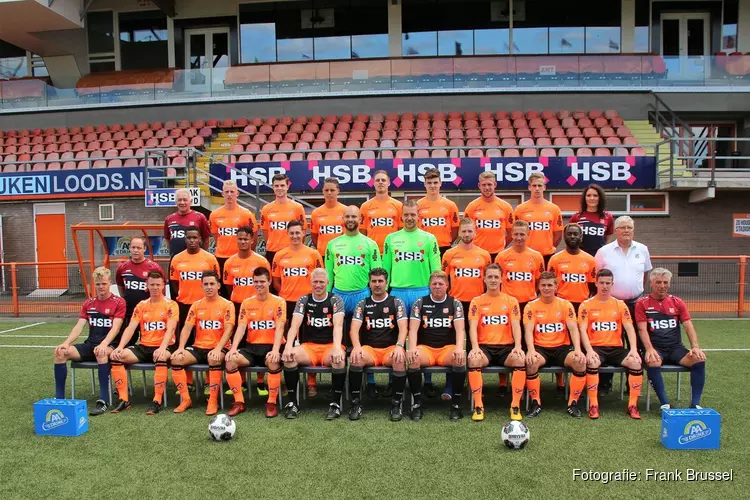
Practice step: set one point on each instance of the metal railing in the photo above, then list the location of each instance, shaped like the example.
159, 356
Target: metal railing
709, 164
670, 126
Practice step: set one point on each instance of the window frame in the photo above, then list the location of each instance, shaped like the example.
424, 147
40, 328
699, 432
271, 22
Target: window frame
628, 203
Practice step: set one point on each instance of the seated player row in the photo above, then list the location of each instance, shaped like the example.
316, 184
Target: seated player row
435, 331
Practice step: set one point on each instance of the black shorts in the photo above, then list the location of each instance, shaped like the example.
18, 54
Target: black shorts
145, 354
222, 287
554, 356
201, 355
125, 323
290, 311
493, 256
86, 350
184, 309
256, 353
496, 354
576, 305
611, 356
671, 355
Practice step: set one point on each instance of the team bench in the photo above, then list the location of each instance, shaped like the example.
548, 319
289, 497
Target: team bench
198, 368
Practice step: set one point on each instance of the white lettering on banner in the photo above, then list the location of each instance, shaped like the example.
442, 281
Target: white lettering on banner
600, 171
13, 185
265, 174
355, 174
412, 172
513, 171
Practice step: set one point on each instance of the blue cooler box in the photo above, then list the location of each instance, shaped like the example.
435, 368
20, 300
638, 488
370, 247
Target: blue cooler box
61, 417
689, 429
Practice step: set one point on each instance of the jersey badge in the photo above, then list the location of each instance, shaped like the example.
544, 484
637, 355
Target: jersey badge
445, 310
325, 310
385, 310
106, 311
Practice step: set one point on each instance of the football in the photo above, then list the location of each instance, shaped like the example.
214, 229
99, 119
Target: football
222, 428
515, 435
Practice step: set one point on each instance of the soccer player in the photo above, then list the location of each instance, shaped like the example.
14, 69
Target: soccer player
521, 266
544, 218
224, 222
327, 221
495, 336
574, 268
465, 265
437, 336
381, 343
292, 266
275, 216
381, 215
597, 224
493, 216
552, 338
601, 320
261, 324
213, 319
104, 314
131, 276
437, 214
157, 317
180, 221
658, 316
319, 323
410, 255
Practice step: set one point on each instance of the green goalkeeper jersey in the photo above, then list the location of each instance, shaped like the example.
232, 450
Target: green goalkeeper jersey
349, 260
410, 257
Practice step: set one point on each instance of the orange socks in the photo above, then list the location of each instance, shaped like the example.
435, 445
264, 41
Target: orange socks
518, 382
160, 381
502, 379
592, 380
189, 377
635, 379
234, 379
475, 384
120, 379
534, 385
274, 381
260, 378
577, 383
312, 380
214, 381
179, 375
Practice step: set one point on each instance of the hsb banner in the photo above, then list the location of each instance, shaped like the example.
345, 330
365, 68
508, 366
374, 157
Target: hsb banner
629, 172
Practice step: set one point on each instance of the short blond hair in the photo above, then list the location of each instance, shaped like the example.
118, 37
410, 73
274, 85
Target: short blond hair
227, 183
439, 275
466, 221
101, 272
488, 175
537, 175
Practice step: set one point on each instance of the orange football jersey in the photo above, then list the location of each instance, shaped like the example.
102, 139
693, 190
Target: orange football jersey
209, 319
327, 223
605, 321
550, 321
273, 220
521, 270
153, 318
574, 273
261, 318
239, 273
294, 268
493, 316
224, 224
492, 220
465, 268
187, 269
438, 218
544, 220
381, 218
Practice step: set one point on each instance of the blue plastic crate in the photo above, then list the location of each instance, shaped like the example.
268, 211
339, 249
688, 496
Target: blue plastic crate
689, 429
61, 417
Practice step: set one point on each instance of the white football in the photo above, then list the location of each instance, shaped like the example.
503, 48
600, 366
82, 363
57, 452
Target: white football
515, 435
222, 428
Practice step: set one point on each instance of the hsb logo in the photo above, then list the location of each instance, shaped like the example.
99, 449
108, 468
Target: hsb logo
412, 256
295, 271
593, 230
227, 231
262, 325
319, 322
350, 260
135, 285
243, 281
549, 327
467, 272
662, 324
210, 324
191, 275
381, 222
489, 224
518, 276
379, 323
331, 230
153, 326
539, 226
433, 222
574, 278
278, 225
437, 322
100, 322
604, 326
176, 234
501, 319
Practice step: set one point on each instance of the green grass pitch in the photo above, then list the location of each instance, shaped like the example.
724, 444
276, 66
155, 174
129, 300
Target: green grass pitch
170, 456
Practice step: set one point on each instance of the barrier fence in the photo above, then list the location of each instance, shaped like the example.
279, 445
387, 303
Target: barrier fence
712, 286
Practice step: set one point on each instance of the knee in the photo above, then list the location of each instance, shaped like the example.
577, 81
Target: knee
59, 358
273, 366
475, 363
654, 364
399, 366
102, 359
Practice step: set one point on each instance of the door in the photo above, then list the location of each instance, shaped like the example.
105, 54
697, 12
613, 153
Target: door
207, 58
685, 44
51, 241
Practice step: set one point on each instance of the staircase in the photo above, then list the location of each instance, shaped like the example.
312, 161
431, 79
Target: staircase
647, 137
218, 147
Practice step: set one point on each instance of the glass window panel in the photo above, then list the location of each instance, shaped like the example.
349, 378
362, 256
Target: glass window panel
456, 43
100, 29
530, 41
617, 202
333, 47
488, 42
143, 40
647, 202
258, 43
696, 33
294, 49
419, 44
641, 39
670, 36
602, 40
729, 38
369, 46
566, 40
13, 67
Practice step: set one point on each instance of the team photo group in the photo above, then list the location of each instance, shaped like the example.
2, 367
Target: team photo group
405, 286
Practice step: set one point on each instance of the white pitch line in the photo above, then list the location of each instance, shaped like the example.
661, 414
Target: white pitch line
34, 336
727, 349
30, 346
24, 326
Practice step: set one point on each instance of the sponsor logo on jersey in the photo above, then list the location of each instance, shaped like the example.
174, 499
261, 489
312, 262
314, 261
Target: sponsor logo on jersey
295, 271
210, 324
381, 222
539, 226
176, 234
489, 224
604, 326
519, 276
191, 275
100, 322
433, 222
409, 256
319, 322
331, 230
437, 322
261, 325
152, 326
549, 327
352, 260
593, 230
662, 324
227, 231
243, 281
379, 323
500, 319
135, 285
467, 272
278, 225
574, 278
